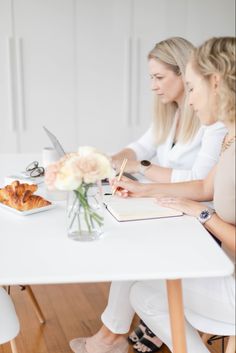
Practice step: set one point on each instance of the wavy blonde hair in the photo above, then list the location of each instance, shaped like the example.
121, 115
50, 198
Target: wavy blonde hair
173, 53
217, 56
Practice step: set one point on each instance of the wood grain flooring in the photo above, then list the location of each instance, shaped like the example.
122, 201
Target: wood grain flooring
70, 310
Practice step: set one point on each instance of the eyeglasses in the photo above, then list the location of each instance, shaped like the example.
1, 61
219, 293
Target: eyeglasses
34, 170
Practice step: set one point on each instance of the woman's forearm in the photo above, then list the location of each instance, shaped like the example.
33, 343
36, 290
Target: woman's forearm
194, 190
198, 190
125, 153
158, 174
225, 232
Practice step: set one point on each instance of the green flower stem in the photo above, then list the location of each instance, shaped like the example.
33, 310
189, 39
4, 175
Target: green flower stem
78, 217
73, 206
81, 195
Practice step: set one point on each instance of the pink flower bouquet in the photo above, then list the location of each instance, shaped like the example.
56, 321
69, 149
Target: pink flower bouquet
78, 172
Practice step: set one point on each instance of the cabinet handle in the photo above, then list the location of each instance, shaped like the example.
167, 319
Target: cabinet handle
136, 83
11, 80
20, 85
127, 83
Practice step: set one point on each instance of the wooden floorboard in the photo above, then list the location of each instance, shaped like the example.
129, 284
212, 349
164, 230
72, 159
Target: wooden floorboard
70, 310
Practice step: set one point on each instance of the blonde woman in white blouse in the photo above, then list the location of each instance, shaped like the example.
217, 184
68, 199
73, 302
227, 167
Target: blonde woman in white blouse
178, 145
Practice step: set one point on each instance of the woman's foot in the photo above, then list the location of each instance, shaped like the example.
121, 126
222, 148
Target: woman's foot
100, 343
148, 344
138, 333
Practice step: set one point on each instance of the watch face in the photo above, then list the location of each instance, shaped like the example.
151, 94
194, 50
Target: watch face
204, 214
145, 163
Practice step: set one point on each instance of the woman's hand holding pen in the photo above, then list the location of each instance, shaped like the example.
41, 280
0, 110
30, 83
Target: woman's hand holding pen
128, 188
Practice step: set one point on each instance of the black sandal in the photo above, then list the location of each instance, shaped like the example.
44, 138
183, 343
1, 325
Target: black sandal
138, 332
145, 341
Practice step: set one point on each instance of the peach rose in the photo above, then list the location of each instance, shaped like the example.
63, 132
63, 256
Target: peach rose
68, 178
51, 175
87, 165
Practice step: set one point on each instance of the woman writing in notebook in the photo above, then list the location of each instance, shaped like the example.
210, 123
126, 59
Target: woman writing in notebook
119, 313
179, 148
209, 303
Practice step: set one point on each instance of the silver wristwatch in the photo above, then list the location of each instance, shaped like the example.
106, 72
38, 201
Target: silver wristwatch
144, 166
205, 215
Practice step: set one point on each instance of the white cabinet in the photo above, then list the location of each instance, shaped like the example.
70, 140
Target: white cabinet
37, 63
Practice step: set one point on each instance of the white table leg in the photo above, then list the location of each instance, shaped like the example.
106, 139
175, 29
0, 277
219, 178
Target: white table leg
176, 310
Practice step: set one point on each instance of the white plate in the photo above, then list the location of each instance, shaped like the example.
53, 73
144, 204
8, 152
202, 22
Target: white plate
29, 212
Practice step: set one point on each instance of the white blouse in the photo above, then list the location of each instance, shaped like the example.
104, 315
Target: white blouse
189, 161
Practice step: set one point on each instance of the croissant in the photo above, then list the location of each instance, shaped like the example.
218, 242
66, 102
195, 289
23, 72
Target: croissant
6, 193
20, 188
15, 188
33, 201
2, 197
20, 197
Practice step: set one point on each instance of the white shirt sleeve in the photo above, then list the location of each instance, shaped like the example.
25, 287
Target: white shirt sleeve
207, 156
145, 147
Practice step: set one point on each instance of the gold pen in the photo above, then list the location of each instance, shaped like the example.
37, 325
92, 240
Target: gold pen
122, 168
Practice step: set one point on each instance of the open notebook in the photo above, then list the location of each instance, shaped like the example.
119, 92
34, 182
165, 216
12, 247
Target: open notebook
133, 209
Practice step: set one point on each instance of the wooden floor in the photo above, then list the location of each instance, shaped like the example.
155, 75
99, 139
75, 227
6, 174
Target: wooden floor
70, 310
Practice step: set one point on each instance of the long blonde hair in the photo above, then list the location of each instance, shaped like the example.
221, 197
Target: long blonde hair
217, 56
174, 53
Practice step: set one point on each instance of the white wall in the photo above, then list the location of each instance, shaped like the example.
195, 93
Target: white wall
210, 18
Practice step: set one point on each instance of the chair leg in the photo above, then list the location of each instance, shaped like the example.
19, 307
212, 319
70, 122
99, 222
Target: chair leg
13, 346
7, 289
35, 303
231, 345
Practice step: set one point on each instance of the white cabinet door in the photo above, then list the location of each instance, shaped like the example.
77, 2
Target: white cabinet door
8, 124
45, 51
104, 61
211, 18
41, 82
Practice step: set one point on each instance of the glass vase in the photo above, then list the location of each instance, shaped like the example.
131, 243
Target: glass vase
85, 216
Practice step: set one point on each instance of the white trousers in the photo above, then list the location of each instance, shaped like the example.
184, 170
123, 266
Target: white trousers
209, 307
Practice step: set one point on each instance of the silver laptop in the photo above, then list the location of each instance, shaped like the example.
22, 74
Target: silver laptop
56, 144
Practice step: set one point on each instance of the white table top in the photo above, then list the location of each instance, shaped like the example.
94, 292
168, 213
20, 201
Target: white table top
35, 249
